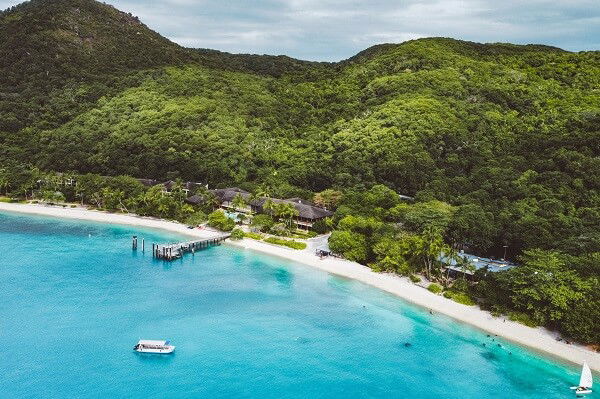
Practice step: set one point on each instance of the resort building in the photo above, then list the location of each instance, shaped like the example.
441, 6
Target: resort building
475, 263
148, 182
226, 197
188, 187
308, 213
167, 187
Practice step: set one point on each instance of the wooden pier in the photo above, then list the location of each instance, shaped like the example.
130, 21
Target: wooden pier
177, 250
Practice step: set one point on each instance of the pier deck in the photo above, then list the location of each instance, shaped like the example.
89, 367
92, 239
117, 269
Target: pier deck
174, 251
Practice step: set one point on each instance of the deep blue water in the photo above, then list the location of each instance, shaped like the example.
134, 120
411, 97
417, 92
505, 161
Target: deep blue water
74, 299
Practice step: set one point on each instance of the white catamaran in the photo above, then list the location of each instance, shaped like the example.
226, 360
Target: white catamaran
585, 382
150, 346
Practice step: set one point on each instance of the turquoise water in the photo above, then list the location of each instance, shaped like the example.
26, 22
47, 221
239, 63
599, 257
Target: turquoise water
74, 299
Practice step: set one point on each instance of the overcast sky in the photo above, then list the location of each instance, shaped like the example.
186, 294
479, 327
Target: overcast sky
331, 30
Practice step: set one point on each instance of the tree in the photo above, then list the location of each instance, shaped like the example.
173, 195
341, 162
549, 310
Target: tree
280, 229
393, 256
471, 225
196, 218
112, 199
423, 215
582, 321
238, 202
25, 180
329, 199
464, 264
4, 181
269, 206
543, 286
262, 223
88, 188
322, 226
220, 221
425, 251
53, 196
352, 246
286, 212
237, 234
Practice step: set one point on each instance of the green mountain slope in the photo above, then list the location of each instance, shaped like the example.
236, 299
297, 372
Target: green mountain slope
513, 129
57, 56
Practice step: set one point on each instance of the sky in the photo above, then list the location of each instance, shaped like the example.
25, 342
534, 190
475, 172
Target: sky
331, 30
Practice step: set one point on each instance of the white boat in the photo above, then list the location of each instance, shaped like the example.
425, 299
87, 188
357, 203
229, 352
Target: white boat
152, 346
585, 381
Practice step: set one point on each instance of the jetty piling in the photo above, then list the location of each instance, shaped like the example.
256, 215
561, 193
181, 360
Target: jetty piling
174, 251
134, 243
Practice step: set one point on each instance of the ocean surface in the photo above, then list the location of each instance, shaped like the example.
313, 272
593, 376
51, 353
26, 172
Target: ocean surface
75, 298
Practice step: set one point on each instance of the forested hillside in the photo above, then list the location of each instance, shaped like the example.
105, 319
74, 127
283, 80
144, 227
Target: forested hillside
507, 136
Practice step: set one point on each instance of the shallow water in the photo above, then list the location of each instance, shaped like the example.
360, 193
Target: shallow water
74, 299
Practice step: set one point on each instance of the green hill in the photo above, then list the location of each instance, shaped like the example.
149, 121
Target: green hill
513, 129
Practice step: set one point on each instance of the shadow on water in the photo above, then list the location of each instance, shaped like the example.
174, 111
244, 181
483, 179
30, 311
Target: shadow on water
154, 358
302, 340
283, 277
490, 356
29, 225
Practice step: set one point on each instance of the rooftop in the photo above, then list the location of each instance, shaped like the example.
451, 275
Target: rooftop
228, 194
304, 208
493, 265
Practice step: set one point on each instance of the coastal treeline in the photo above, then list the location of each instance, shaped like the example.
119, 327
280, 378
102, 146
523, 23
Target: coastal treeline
548, 288
377, 227
498, 145
110, 193
513, 131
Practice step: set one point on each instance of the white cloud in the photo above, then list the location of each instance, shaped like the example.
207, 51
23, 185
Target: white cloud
336, 29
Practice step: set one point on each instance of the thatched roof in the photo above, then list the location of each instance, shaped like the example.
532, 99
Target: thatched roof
148, 182
305, 209
195, 199
228, 194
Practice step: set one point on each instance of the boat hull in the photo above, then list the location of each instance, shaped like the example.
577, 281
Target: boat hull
581, 392
163, 351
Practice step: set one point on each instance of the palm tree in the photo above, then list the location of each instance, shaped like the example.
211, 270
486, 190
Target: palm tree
269, 206
465, 265
4, 180
287, 212
79, 192
429, 248
238, 202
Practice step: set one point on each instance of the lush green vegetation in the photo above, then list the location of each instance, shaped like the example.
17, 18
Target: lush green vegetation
254, 236
435, 288
498, 144
550, 287
459, 297
286, 243
219, 220
237, 234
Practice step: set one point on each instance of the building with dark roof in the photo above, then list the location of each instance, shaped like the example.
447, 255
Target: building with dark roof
195, 199
308, 213
228, 194
225, 197
148, 182
187, 187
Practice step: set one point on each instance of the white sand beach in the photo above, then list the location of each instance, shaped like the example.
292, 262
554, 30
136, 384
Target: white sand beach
538, 339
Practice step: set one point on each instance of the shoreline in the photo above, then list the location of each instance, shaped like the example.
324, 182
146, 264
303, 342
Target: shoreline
538, 339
